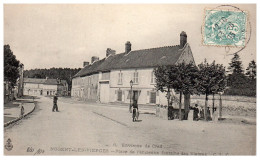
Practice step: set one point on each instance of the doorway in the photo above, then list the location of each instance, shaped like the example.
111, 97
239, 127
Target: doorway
135, 95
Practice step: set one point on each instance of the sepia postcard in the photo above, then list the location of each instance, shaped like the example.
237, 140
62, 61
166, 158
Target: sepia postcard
129, 79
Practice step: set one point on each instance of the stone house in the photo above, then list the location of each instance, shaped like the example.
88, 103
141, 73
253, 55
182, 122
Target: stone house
110, 76
35, 86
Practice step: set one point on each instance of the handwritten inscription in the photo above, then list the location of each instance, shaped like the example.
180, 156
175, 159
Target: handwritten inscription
37, 152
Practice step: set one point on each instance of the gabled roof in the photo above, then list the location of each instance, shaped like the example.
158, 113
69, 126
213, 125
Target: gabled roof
90, 69
146, 58
34, 80
110, 62
51, 81
42, 81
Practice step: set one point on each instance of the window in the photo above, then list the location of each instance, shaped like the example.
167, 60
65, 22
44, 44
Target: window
119, 95
153, 80
153, 97
120, 78
135, 77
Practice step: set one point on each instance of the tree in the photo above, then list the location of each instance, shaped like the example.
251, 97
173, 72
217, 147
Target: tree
11, 65
211, 80
163, 82
251, 70
179, 77
235, 67
236, 77
183, 78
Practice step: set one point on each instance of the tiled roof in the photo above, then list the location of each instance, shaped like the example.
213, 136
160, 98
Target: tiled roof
110, 62
90, 69
34, 80
51, 81
42, 81
146, 58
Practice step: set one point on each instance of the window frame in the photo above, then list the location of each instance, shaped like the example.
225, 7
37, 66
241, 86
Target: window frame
120, 78
136, 77
153, 79
150, 97
119, 91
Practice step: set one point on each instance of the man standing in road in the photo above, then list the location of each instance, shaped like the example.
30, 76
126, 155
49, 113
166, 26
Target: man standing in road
55, 106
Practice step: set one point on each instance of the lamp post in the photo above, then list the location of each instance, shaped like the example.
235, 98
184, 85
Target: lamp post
131, 85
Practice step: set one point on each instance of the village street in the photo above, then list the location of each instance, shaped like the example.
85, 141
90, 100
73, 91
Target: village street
100, 129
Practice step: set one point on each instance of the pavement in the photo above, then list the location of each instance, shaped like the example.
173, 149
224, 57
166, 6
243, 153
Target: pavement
105, 129
12, 110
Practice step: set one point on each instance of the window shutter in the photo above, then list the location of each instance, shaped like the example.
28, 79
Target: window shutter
136, 77
148, 97
121, 78
123, 95
133, 77
152, 77
118, 80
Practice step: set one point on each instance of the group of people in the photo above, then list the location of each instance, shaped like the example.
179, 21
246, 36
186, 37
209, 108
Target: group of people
199, 113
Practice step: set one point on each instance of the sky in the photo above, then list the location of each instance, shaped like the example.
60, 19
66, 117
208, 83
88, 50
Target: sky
66, 35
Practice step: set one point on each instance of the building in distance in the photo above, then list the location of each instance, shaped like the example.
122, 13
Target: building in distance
45, 87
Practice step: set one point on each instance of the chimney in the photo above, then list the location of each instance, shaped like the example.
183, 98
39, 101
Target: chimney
183, 39
94, 58
110, 52
85, 63
127, 47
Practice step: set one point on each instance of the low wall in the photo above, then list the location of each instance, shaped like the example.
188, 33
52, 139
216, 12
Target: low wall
163, 113
19, 118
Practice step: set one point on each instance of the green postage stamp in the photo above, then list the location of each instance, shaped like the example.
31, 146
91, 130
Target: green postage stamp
224, 28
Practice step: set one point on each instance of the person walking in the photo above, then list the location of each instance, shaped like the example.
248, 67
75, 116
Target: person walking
55, 106
21, 110
135, 110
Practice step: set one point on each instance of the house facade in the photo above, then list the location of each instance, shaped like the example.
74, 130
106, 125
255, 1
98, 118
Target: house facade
45, 87
114, 73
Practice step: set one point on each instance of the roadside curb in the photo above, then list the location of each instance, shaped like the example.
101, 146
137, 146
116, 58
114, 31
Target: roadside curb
19, 118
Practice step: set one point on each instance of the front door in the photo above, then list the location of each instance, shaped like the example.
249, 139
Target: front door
104, 92
135, 96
